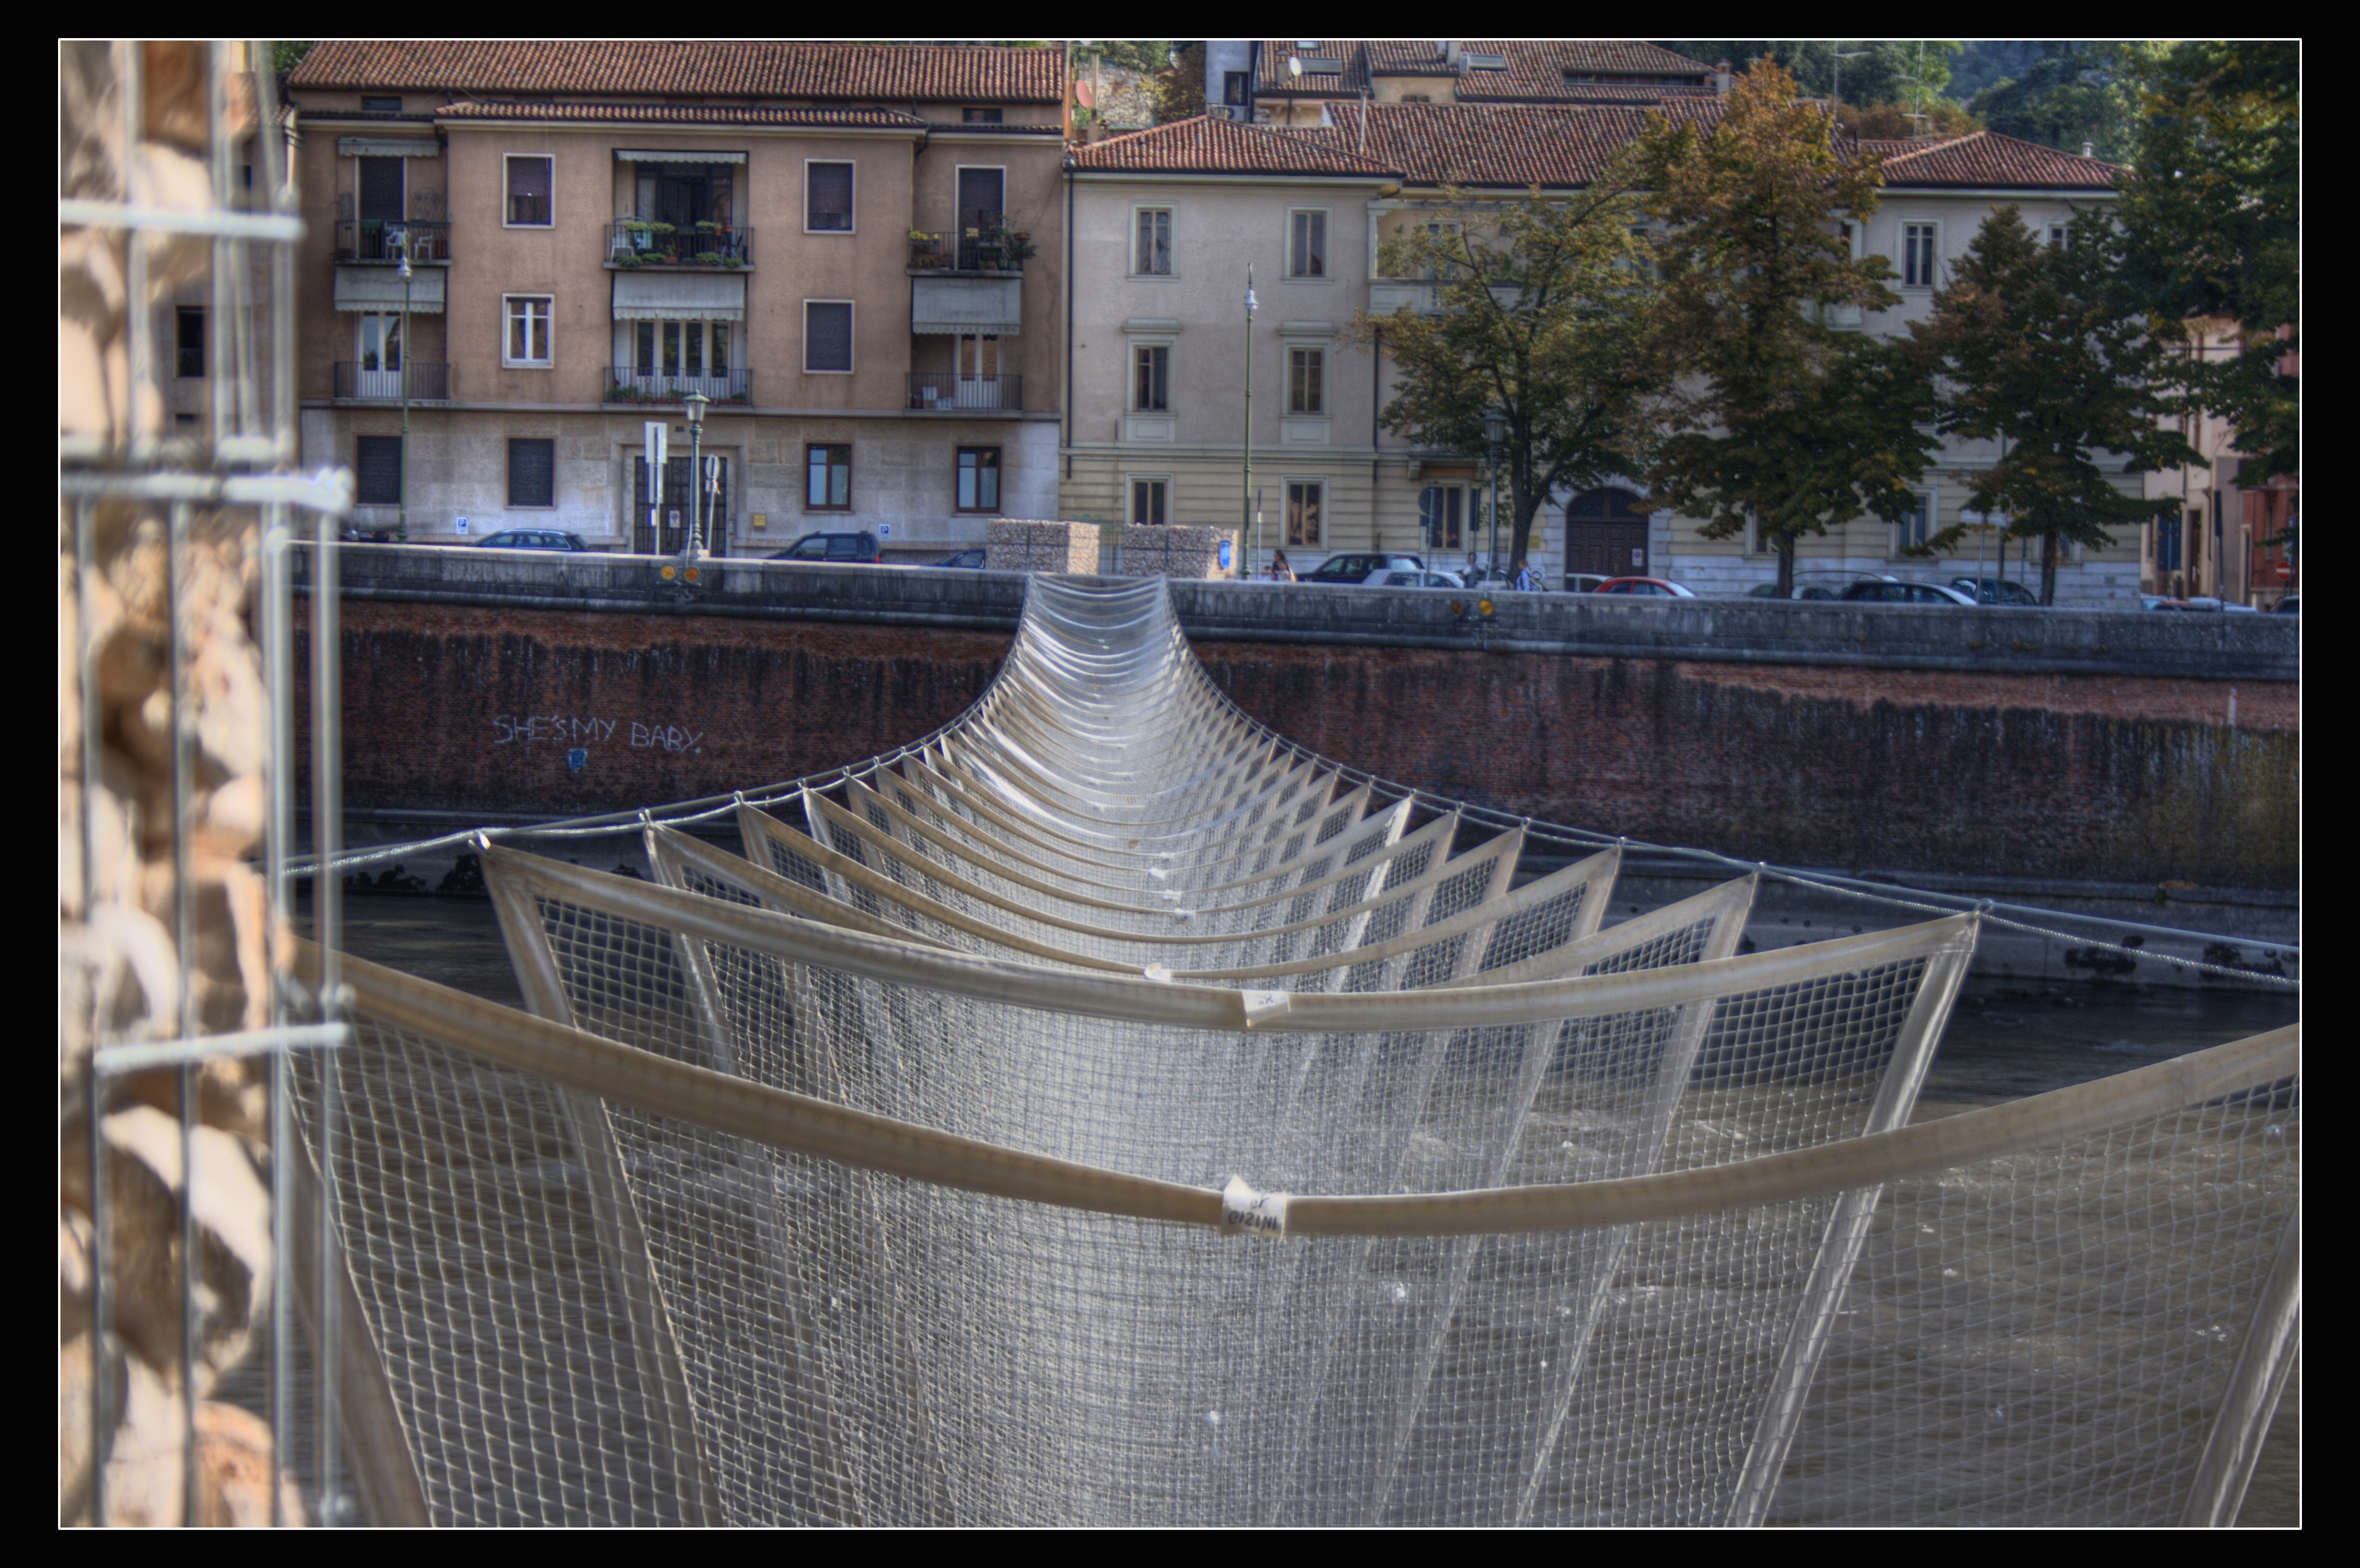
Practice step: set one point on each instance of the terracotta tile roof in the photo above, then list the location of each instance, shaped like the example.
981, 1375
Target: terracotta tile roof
682, 115
921, 72
1513, 144
1209, 146
1989, 158
1537, 68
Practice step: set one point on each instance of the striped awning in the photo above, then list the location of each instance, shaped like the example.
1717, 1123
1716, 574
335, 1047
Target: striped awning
679, 296
379, 289
676, 155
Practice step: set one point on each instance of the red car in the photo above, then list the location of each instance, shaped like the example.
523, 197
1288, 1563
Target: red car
1644, 587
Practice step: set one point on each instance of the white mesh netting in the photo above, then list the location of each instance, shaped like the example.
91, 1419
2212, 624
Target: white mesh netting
877, 1176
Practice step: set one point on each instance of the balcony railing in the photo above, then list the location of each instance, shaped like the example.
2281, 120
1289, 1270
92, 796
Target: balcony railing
627, 384
986, 245
371, 240
631, 243
946, 392
429, 382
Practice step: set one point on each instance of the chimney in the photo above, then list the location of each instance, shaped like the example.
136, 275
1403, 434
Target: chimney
1722, 77
2088, 149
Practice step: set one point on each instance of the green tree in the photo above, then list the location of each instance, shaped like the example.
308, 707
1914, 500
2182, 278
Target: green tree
1886, 69
1543, 316
1790, 418
287, 53
1180, 86
2072, 94
2214, 221
2039, 348
1148, 55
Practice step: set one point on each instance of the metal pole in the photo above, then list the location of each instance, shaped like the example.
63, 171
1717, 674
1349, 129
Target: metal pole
401, 523
1253, 519
695, 488
1491, 563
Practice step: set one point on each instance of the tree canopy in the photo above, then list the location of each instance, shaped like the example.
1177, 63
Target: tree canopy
1790, 419
1544, 317
1889, 71
2214, 221
2038, 349
2073, 93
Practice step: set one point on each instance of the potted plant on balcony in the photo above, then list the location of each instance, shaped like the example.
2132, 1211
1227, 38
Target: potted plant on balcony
925, 249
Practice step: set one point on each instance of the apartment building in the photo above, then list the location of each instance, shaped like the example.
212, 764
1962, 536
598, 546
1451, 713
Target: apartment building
854, 252
1312, 154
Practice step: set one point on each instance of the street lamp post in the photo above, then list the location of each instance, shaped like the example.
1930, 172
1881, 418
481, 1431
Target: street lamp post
401, 517
1251, 523
689, 543
1496, 430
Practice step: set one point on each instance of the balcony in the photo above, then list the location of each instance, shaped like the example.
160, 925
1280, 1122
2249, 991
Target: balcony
946, 392
633, 243
626, 383
370, 241
429, 382
986, 248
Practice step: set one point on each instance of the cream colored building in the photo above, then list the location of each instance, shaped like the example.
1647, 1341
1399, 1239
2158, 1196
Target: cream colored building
1363, 148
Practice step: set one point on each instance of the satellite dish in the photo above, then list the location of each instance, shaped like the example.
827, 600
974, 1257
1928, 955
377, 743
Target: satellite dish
1294, 66
1083, 95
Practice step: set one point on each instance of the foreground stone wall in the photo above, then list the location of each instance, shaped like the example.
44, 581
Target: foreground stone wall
462, 707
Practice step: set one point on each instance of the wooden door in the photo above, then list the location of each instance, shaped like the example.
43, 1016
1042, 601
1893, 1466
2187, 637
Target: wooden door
1606, 534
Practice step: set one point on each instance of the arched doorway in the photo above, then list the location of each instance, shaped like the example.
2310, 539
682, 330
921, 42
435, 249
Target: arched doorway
1606, 534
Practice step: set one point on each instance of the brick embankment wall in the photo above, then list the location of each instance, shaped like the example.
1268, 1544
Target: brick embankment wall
2063, 776
492, 709
463, 708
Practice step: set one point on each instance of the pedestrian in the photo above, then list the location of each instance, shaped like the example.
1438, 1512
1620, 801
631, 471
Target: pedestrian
1468, 573
1524, 583
1279, 570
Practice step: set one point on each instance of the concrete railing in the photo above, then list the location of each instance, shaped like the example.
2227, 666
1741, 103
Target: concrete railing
1756, 631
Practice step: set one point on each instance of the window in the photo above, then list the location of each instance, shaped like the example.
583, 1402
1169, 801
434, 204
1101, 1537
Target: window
532, 473
1307, 249
2057, 236
2167, 544
1153, 255
1442, 240
380, 340
829, 478
1757, 537
979, 479
1918, 254
1306, 373
528, 187
827, 198
981, 117
371, 105
1439, 508
191, 345
1306, 500
1233, 87
1914, 528
1151, 381
1149, 500
528, 319
827, 336
376, 469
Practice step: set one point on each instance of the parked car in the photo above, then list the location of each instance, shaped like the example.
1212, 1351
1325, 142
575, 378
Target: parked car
1995, 590
353, 535
1582, 582
1888, 591
2289, 606
1802, 591
1501, 577
838, 550
1644, 587
1417, 579
533, 538
972, 559
1360, 568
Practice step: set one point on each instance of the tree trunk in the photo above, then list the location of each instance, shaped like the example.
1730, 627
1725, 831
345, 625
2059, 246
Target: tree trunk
1786, 566
2049, 568
1519, 537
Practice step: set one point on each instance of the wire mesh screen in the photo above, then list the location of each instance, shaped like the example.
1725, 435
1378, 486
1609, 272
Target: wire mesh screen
880, 1175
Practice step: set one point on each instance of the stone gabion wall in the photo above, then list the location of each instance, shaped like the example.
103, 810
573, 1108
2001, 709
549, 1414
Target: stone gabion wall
118, 967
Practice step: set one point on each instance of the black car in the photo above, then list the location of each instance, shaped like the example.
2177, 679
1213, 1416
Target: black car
839, 550
533, 538
972, 559
1995, 590
1886, 592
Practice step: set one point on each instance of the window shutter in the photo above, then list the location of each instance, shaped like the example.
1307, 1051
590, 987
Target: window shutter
827, 336
831, 196
532, 473
376, 467
529, 184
